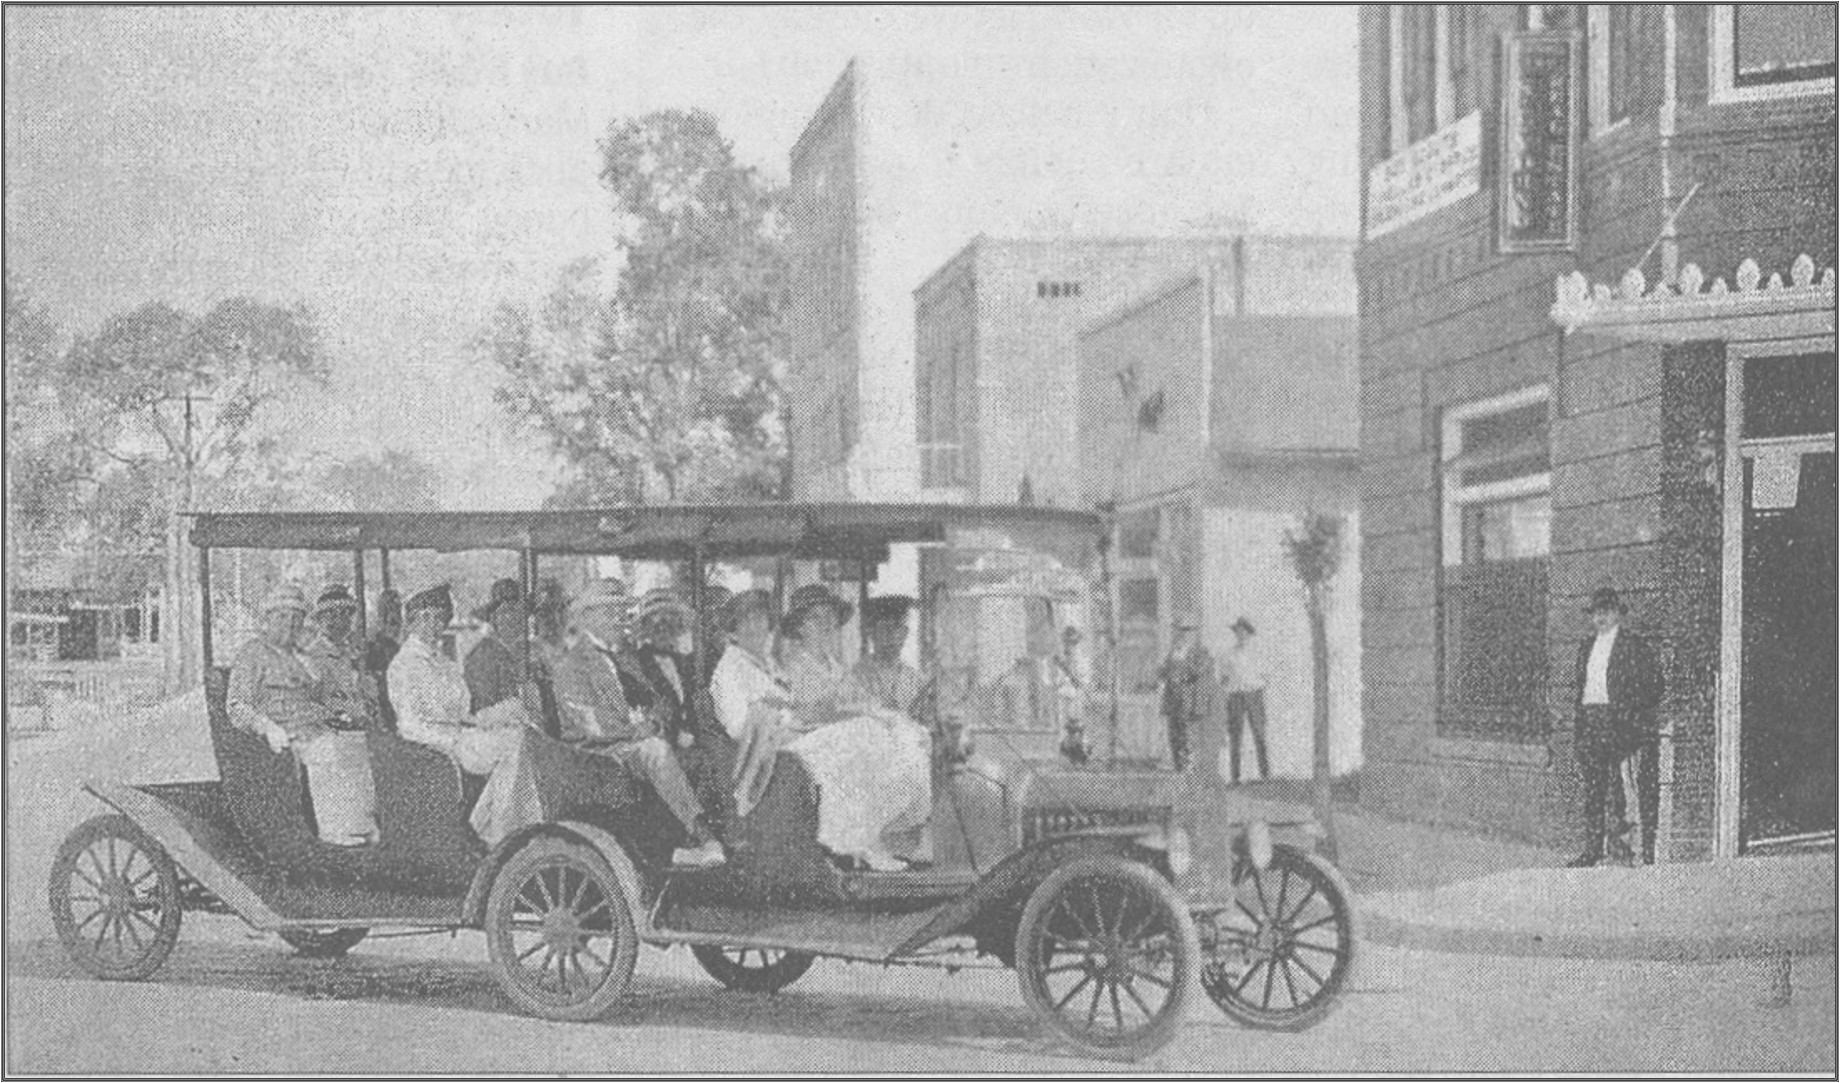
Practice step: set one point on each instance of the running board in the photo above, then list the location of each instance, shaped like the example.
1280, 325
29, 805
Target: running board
866, 936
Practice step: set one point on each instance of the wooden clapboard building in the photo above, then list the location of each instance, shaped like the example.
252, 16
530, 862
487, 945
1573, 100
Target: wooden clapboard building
1597, 349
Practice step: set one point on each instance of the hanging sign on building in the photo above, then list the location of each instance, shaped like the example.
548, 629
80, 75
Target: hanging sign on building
1536, 195
1432, 173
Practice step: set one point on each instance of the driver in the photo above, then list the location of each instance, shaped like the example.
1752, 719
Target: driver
273, 694
429, 693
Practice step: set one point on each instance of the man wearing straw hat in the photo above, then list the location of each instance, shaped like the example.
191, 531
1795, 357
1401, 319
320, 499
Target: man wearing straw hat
274, 695
598, 716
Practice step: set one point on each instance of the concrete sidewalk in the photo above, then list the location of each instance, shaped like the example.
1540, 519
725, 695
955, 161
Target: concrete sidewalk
1442, 890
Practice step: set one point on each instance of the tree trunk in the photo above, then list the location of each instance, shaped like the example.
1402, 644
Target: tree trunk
1320, 791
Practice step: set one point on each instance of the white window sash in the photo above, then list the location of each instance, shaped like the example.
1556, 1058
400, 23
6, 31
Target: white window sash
1723, 64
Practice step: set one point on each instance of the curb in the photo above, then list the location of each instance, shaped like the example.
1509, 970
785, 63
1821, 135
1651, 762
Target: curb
1805, 933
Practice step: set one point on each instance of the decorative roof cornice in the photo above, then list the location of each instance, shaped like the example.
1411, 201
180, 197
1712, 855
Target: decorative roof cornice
1688, 310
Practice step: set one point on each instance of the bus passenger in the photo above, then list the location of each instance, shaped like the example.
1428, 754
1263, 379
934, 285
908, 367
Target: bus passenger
274, 695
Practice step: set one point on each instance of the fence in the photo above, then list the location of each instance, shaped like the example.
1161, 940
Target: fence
45, 696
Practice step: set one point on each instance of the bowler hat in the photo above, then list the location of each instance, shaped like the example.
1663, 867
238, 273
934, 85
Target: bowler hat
813, 595
1606, 598
504, 592
1244, 625
435, 597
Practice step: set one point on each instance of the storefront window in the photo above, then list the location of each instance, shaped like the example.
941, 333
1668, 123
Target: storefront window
1789, 396
1774, 43
1493, 590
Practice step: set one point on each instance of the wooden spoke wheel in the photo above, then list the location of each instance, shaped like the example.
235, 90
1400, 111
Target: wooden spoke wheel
323, 943
1106, 955
560, 931
752, 970
115, 899
1282, 955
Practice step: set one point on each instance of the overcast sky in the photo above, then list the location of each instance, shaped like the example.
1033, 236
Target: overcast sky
400, 169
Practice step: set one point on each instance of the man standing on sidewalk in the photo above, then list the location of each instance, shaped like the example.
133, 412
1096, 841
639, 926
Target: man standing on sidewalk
1245, 684
1618, 698
1187, 677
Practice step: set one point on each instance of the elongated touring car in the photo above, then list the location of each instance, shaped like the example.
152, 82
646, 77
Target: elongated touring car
1113, 889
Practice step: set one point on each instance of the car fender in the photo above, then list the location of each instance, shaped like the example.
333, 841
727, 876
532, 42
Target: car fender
603, 843
1019, 873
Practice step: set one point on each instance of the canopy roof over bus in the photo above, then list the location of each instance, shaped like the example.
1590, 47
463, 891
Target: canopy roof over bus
654, 532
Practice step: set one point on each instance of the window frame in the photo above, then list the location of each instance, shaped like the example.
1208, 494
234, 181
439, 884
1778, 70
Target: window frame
1722, 67
1457, 719
1453, 495
1442, 90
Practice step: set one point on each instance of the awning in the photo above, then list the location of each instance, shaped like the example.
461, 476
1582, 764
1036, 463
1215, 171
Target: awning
1689, 311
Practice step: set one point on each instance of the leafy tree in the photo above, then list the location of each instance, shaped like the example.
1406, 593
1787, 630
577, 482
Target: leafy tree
1316, 555
392, 481
193, 412
46, 462
669, 385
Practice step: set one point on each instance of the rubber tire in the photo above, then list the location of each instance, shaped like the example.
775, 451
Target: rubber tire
1187, 961
1329, 881
538, 854
165, 889
790, 967
323, 943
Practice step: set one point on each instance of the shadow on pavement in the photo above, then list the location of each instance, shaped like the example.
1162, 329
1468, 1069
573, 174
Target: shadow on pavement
653, 1000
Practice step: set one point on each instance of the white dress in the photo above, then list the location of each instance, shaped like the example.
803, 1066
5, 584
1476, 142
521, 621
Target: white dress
872, 765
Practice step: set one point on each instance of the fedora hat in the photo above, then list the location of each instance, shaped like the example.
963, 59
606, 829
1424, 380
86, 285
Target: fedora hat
1244, 625
1606, 598
504, 592
887, 607
813, 595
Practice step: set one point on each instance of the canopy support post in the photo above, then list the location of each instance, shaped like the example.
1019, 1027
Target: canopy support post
204, 592
357, 588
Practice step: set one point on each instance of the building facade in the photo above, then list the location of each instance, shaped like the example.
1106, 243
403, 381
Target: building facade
1525, 444
996, 335
1215, 413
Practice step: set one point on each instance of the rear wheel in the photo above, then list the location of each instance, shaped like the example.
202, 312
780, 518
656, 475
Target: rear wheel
1280, 957
752, 970
323, 943
115, 899
1106, 955
560, 931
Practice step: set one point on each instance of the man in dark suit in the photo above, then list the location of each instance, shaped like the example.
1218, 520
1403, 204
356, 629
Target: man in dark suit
1618, 689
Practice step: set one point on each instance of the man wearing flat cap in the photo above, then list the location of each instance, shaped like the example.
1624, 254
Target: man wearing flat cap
1618, 687
331, 653
428, 690
1187, 680
598, 716
274, 695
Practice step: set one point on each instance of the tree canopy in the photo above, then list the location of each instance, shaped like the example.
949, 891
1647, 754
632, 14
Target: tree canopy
667, 384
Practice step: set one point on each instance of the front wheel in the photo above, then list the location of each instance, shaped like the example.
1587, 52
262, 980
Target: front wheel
1279, 959
752, 970
115, 899
323, 943
1106, 955
560, 931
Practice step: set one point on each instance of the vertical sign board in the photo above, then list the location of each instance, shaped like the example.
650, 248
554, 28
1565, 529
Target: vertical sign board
1435, 172
1536, 195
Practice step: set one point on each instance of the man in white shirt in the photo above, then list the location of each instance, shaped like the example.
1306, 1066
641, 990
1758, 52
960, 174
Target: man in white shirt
1619, 694
1244, 680
428, 691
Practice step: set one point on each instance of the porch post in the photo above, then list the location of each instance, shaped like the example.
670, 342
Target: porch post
1731, 615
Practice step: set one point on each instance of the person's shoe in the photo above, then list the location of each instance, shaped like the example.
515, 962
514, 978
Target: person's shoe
879, 861
1583, 861
707, 856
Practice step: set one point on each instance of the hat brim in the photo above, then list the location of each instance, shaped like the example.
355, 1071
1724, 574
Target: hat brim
1607, 607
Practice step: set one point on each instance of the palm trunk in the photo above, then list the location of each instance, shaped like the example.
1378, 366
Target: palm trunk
1320, 791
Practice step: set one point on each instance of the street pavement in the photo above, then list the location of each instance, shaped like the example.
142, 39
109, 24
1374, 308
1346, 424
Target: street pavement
232, 1000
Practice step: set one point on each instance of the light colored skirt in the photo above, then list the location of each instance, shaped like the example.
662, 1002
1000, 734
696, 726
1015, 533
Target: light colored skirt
338, 767
510, 801
874, 777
